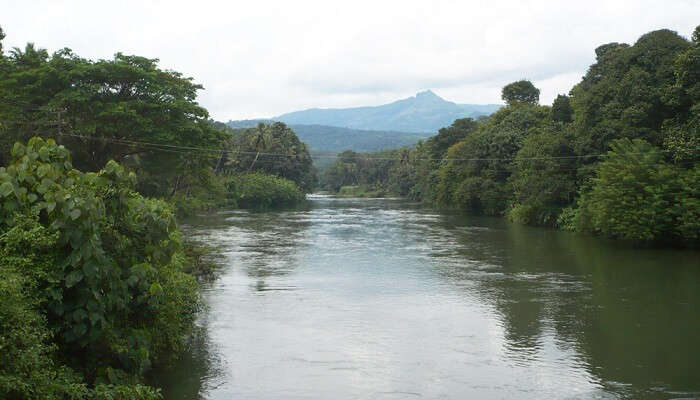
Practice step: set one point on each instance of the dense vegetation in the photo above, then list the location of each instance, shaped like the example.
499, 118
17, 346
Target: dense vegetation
617, 156
130, 111
96, 277
96, 158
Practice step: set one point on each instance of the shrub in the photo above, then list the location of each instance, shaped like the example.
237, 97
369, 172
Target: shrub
262, 191
637, 195
103, 263
534, 214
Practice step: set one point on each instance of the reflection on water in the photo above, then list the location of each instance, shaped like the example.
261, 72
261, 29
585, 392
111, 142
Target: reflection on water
380, 299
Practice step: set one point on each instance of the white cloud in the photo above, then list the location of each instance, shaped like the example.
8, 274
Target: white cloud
264, 58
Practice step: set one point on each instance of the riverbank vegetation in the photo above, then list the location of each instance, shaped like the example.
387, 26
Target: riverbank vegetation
128, 110
96, 276
617, 156
96, 160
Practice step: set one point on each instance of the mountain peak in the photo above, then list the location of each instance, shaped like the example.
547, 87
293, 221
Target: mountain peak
426, 112
427, 94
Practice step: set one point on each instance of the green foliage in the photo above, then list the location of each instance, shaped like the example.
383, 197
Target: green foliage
478, 167
637, 195
622, 94
567, 219
27, 368
362, 169
125, 392
520, 92
129, 110
113, 103
446, 137
561, 109
544, 171
360, 191
273, 149
263, 191
104, 264
533, 214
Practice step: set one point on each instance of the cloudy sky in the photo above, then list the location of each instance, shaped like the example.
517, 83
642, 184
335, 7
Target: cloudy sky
262, 58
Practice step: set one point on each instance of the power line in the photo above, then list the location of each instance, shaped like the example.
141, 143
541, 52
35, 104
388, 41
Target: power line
218, 152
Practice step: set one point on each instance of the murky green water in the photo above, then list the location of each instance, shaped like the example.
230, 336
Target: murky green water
380, 299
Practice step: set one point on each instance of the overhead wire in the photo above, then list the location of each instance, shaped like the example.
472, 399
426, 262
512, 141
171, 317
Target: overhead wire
214, 152
218, 152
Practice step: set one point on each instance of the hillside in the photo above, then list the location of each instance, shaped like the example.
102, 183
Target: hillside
333, 138
424, 112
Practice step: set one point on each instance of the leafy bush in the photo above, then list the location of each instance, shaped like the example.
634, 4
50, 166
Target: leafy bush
27, 369
263, 191
103, 264
534, 214
567, 219
637, 195
360, 191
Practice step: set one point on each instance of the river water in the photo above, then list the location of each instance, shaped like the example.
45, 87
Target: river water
384, 299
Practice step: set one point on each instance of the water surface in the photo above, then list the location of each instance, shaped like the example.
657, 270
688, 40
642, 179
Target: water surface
383, 299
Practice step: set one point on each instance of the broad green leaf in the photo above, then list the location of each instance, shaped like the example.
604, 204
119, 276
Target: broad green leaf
73, 278
6, 189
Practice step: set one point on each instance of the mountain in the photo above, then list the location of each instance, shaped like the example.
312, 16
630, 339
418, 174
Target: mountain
333, 138
425, 112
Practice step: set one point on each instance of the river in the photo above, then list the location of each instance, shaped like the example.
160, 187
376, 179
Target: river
384, 299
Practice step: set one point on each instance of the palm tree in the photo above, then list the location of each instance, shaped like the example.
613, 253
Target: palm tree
259, 141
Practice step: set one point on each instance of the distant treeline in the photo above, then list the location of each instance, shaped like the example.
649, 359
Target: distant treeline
334, 138
617, 156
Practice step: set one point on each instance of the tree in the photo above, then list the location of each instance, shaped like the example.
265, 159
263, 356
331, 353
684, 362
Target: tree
622, 94
561, 109
448, 136
682, 131
274, 149
106, 110
544, 176
259, 141
520, 92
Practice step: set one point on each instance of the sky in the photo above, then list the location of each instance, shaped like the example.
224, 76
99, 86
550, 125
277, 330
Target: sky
263, 58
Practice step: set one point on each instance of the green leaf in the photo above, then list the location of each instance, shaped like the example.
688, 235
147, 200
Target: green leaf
42, 170
95, 317
6, 189
73, 278
75, 214
17, 150
155, 288
90, 269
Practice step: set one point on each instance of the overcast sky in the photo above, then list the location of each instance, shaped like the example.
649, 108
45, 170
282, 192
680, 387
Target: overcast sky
260, 58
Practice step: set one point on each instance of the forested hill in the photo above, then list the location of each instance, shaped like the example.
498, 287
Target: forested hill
333, 138
424, 112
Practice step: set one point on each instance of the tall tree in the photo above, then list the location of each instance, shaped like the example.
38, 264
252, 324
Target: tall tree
520, 92
561, 109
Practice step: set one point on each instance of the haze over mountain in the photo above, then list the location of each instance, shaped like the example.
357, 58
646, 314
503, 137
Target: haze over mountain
424, 112
337, 139
397, 124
